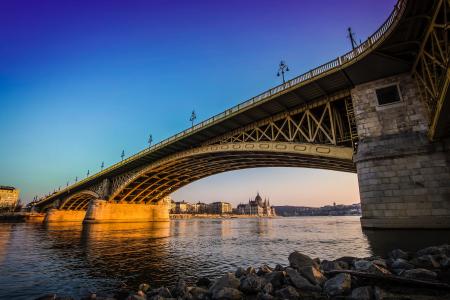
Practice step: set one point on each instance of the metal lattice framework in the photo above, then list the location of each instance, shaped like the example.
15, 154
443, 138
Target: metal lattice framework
164, 177
78, 201
431, 68
329, 122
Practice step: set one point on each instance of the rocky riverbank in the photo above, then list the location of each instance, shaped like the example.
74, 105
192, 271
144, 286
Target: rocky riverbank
423, 275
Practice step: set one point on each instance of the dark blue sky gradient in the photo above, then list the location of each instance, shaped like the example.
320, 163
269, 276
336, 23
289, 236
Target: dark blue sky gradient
82, 80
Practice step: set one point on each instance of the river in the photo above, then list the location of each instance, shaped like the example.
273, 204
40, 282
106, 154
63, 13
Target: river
75, 259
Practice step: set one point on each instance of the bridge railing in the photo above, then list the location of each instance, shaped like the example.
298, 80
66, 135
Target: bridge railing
321, 70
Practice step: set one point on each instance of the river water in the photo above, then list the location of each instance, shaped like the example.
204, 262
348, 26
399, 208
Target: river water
75, 259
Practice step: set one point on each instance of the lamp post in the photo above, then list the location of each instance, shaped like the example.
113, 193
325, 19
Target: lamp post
282, 68
192, 118
351, 37
76, 178
150, 140
87, 174
102, 166
123, 154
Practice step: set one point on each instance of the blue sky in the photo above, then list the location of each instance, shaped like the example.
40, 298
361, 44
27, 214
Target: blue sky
80, 81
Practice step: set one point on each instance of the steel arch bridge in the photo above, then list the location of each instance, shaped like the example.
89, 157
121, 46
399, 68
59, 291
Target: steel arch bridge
308, 121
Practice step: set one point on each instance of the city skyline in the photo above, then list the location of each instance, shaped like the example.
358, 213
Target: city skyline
80, 87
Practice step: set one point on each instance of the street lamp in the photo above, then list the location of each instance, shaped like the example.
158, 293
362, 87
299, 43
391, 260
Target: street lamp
150, 140
351, 37
76, 178
192, 118
123, 154
87, 174
283, 68
102, 166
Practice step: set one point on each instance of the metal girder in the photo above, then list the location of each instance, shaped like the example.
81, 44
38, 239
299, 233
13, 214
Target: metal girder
330, 122
73, 202
431, 68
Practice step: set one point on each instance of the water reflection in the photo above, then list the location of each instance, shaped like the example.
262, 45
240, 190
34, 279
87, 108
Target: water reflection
5, 237
382, 241
75, 259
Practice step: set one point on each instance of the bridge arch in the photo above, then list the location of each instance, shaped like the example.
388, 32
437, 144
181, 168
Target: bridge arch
79, 201
161, 178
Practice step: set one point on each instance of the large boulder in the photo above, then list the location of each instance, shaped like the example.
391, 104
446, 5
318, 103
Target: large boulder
162, 292
401, 264
276, 278
369, 267
264, 296
144, 287
434, 250
180, 289
251, 284
199, 293
140, 295
227, 293
329, 265
398, 253
228, 280
300, 282
425, 261
338, 285
264, 270
268, 288
298, 260
423, 274
362, 293
313, 274
240, 272
288, 293
204, 282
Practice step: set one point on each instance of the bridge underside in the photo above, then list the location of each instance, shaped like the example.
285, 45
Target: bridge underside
159, 181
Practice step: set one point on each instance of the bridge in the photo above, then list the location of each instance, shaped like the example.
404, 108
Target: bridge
380, 110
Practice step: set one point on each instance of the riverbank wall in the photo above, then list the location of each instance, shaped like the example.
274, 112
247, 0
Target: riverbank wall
22, 217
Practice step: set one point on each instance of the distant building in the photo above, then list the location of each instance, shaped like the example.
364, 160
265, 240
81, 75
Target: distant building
327, 210
256, 207
220, 208
181, 207
9, 198
199, 208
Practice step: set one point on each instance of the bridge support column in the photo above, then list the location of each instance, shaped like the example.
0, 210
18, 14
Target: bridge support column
404, 179
102, 211
57, 215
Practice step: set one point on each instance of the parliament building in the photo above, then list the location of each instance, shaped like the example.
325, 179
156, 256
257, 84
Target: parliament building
258, 207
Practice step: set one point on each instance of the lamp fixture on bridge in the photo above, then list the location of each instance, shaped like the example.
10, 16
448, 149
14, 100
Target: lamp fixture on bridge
123, 154
282, 69
76, 178
102, 166
87, 174
150, 140
193, 117
351, 37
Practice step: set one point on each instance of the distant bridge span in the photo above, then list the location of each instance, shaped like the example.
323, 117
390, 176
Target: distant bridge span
380, 110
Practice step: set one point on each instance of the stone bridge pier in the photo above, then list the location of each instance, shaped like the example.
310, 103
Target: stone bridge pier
102, 211
404, 178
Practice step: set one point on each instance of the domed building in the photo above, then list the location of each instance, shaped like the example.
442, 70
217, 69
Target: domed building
258, 207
